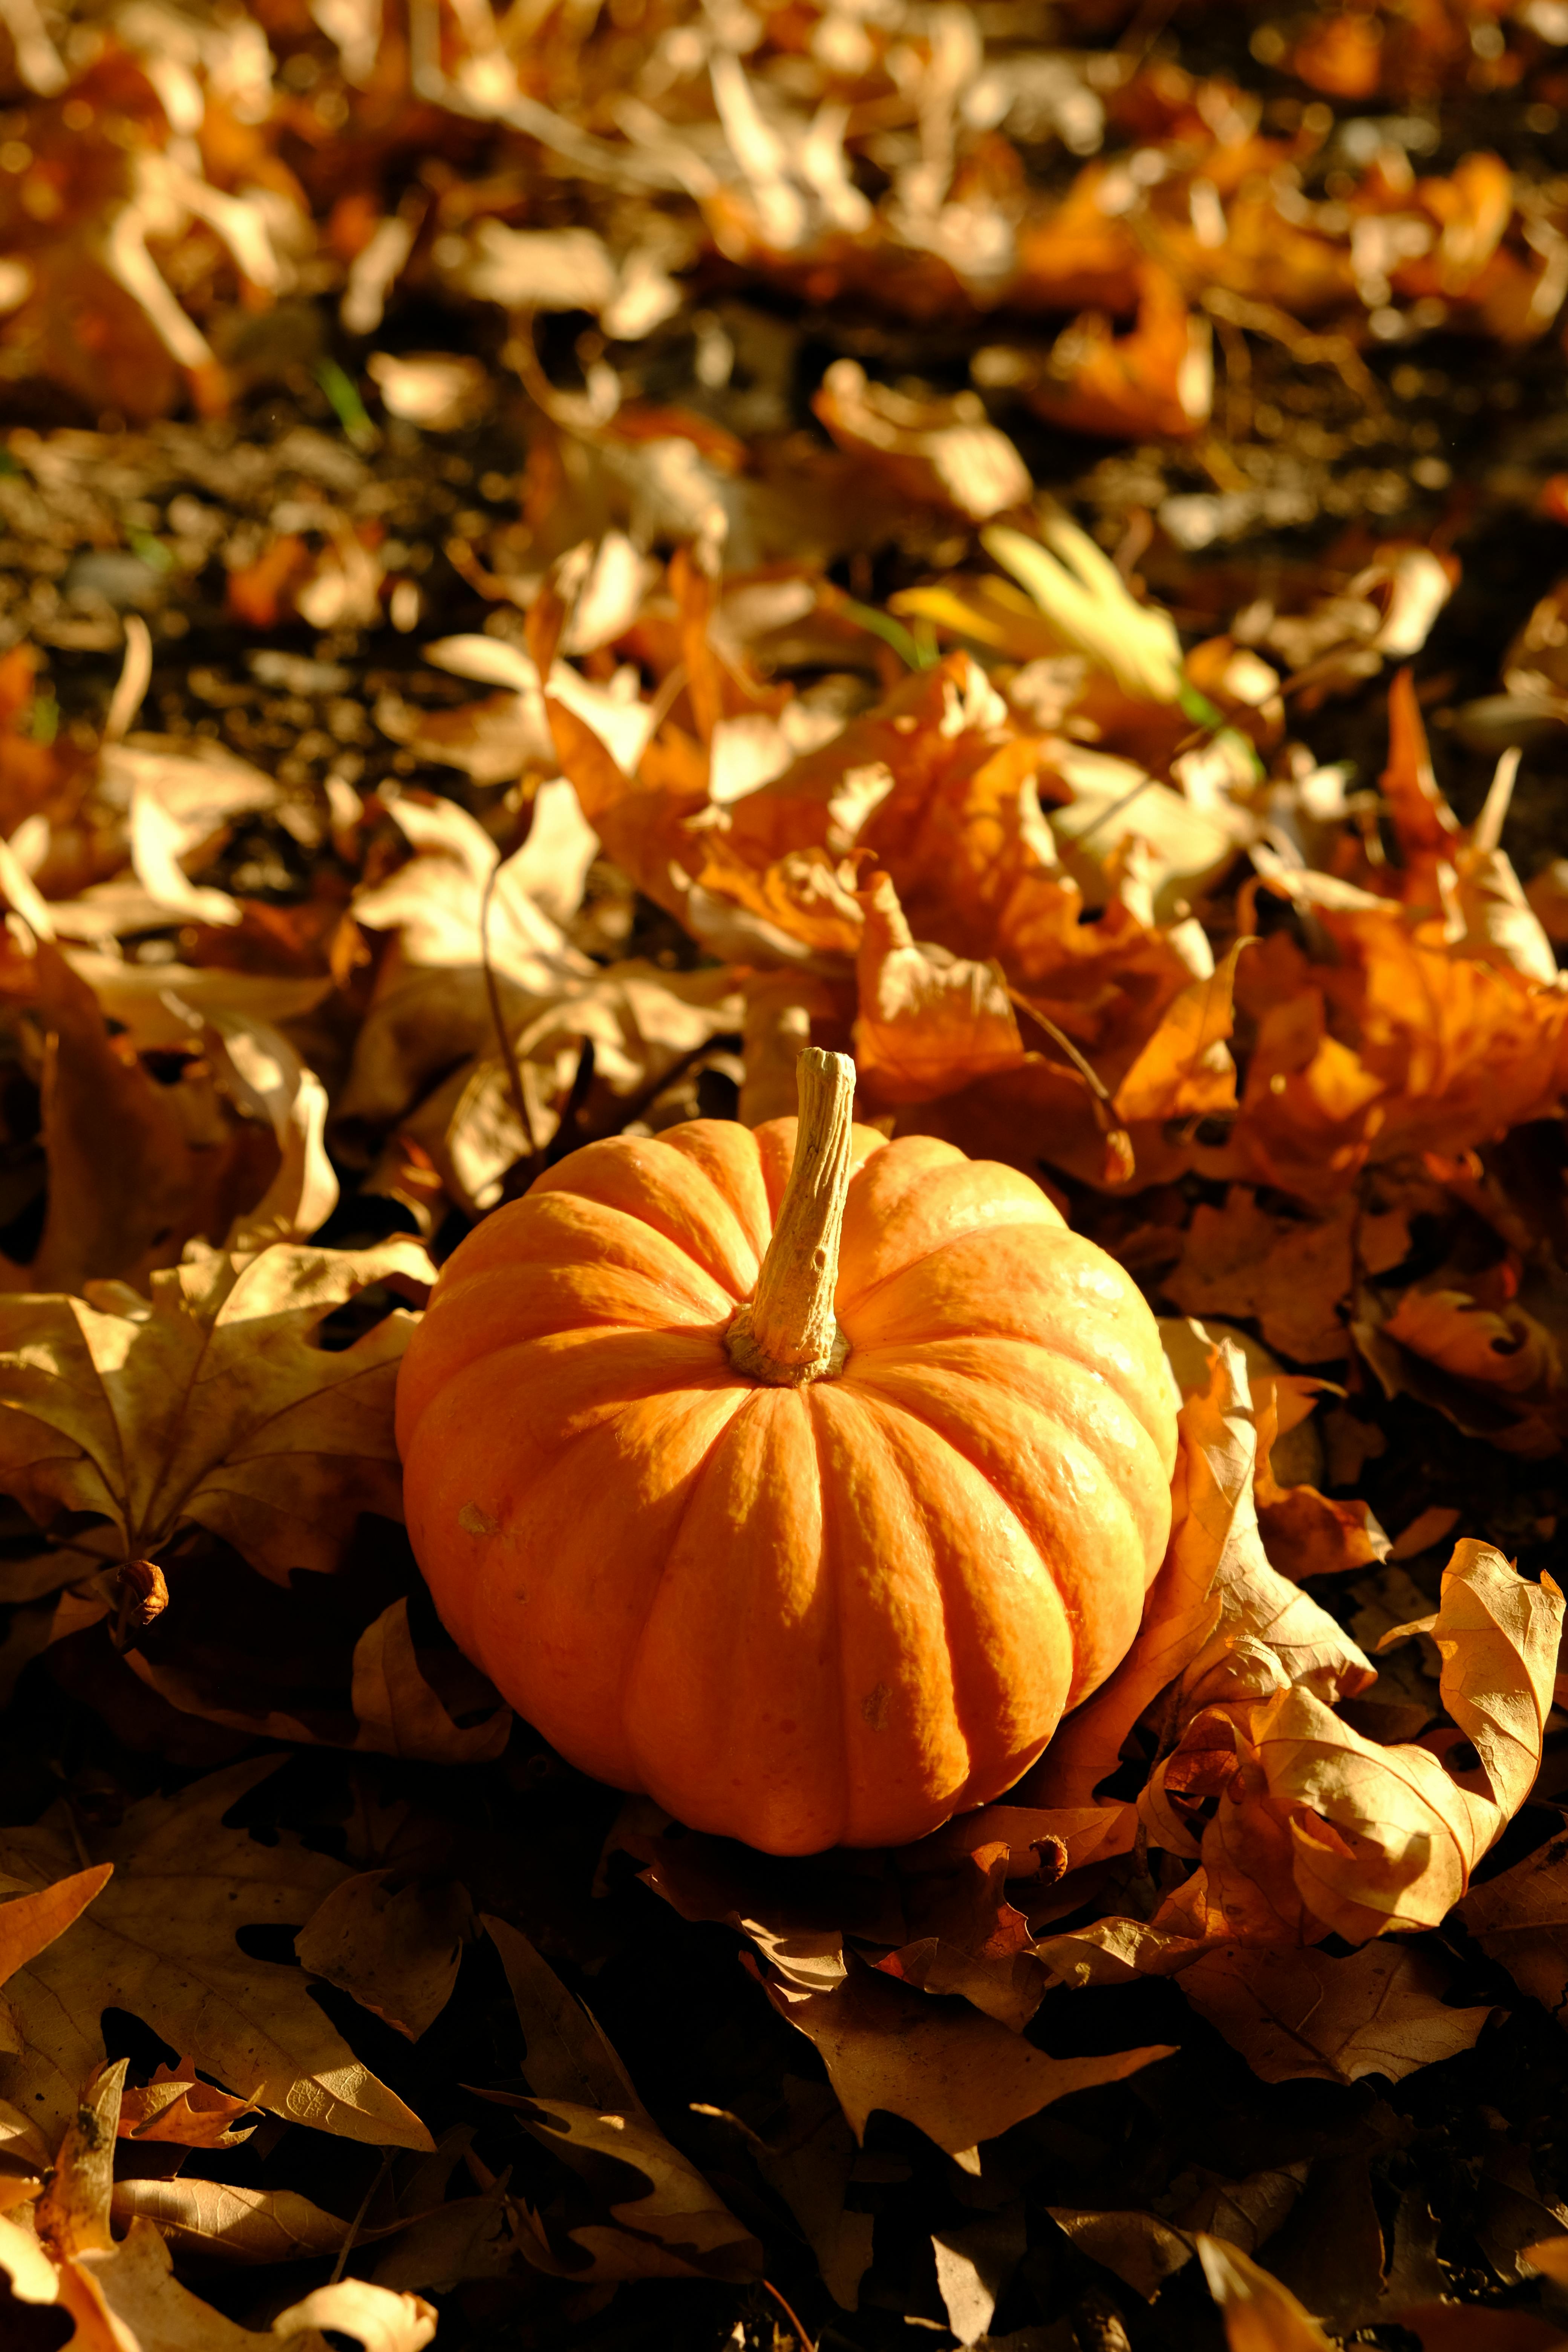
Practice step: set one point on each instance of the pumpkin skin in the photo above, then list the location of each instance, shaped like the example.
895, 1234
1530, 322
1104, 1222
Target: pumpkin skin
797, 1616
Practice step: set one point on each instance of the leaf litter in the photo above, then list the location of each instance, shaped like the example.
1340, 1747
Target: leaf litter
552, 558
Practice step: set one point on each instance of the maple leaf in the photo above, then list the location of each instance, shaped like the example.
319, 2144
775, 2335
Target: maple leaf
210, 1404
928, 1023
160, 1942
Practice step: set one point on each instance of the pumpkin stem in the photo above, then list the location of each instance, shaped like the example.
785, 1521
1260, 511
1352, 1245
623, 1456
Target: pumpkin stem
788, 1333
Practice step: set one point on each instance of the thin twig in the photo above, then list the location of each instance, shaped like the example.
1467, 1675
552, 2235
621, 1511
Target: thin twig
1117, 806
789, 2313
565, 1137
1106, 1119
649, 1094
1085, 1070
357, 2224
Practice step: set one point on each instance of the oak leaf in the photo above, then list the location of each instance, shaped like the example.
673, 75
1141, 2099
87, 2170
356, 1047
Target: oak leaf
1140, 2249
958, 2076
29, 1923
398, 1713
123, 2297
673, 2224
1301, 2014
160, 1942
177, 2106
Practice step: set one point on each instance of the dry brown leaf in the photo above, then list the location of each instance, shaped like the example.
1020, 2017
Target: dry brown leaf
959, 2077
1140, 2249
1157, 379
1387, 1837
395, 1948
586, 2106
674, 2227
132, 2285
218, 2223
124, 2298
643, 1024
160, 1942
1521, 1918
928, 1021
1288, 1273
29, 1923
176, 2107
456, 896
291, 1442
974, 2267
397, 1712
1220, 1622
1186, 1071
567, 2057
1260, 2315
1302, 2013
943, 453
127, 1189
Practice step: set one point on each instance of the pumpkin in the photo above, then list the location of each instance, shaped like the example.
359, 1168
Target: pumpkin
796, 1478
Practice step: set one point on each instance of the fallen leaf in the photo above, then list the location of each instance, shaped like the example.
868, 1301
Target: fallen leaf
1521, 1918
30, 1923
567, 2056
974, 2267
218, 2223
124, 2296
943, 453
959, 2077
160, 1942
102, 1112
1260, 2315
1140, 2249
397, 1712
395, 1948
292, 1441
672, 2226
928, 1023
1302, 2013
176, 2107
1387, 1837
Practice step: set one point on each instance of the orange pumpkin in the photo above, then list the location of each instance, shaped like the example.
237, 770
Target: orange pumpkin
800, 1485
